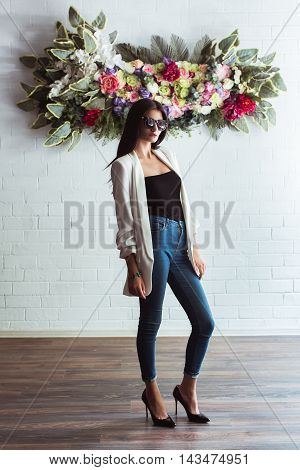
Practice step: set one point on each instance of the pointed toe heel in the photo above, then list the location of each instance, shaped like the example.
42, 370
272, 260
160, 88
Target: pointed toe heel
195, 417
166, 422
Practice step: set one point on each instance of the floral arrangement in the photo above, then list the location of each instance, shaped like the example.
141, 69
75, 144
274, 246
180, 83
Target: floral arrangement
88, 81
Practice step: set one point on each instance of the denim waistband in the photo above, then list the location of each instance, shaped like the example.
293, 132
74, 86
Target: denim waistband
167, 219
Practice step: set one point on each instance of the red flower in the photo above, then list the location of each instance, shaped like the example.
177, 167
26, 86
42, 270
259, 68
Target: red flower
171, 72
91, 116
237, 105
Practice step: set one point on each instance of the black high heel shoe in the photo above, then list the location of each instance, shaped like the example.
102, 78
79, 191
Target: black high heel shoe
197, 417
167, 422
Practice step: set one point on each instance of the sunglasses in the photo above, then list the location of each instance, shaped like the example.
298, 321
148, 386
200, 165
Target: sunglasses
150, 122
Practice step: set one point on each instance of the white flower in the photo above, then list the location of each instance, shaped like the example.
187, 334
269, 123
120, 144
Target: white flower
152, 87
228, 83
237, 75
200, 87
96, 76
242, 87
167, 100
58, 85
90, 68
59, 64
106, 54
205, 109
81, 56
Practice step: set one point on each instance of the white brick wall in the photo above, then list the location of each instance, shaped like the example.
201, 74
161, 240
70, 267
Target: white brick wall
253, 285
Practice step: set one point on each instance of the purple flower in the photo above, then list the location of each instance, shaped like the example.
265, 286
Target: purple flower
118, 110
138, 72
110, 71
118, 101
167, 60
144, 93
167, 109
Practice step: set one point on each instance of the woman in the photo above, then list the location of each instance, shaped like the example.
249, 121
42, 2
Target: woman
157, 236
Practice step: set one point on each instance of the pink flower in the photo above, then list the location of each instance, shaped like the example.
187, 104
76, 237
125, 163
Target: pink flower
175, 100
108, 83
226, 94
148, 69
134, 96
184, 73
176, 112
209, 89
223, 71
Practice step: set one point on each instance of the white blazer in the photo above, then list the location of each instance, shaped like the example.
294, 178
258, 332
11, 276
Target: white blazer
134, 231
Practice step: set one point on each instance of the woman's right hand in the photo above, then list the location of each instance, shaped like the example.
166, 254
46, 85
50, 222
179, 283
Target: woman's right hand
136, 286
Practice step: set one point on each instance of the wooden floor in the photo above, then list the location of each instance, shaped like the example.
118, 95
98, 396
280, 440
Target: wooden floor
68, 393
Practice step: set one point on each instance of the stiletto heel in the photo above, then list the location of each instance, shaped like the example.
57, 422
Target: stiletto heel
167, 422
176, 406
195, 417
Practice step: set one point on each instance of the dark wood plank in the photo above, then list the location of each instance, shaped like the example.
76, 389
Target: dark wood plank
248, 386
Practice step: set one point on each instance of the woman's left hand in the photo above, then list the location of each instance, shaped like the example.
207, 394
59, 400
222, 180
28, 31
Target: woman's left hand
199, 263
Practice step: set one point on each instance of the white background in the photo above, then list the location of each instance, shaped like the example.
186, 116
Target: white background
252, 287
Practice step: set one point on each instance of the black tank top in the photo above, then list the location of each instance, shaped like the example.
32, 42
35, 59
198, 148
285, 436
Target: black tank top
163, 195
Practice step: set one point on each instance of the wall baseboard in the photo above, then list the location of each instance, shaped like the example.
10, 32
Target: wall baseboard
109, 334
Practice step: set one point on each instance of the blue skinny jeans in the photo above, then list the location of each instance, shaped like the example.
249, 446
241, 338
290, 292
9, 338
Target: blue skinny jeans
172, 265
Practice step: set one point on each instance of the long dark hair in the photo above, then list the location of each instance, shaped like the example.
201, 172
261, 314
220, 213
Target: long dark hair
130, 132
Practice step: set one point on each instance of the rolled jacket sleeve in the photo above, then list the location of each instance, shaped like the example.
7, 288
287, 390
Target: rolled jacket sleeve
125, 237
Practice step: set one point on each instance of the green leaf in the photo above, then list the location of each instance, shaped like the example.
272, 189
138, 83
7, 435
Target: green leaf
39, 93
64, 44
40, 76
90, 43
27, 104
260, 118
27, 88
75, 139
113, 36
61, 31
271, 115
229, 42
92, 93
265, 104
94, 103
159, 48
40, 121
78, 41
268, 58
100, 21
58, 135
241, 124
80, 85
230, 57
261, 76
178, 47
201, 44
75, 18
278, 82
246, 55
61, 54
267, 90
54, 74
66, 94
44, 61
56, 109
28, 61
